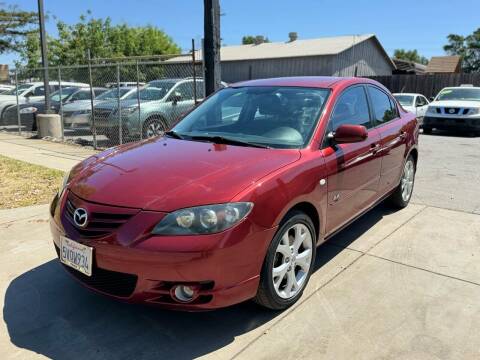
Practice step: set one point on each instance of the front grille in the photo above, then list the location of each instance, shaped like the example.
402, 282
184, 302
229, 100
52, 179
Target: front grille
465, 111
109, 282
452, 111
99, 223
102, 113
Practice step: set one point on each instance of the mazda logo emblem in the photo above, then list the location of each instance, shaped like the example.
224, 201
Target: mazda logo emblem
451, 111
80, 217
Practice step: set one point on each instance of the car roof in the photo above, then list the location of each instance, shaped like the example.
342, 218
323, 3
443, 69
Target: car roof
461, 87
306, 81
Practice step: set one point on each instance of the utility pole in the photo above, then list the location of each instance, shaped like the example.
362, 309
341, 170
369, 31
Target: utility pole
43, 43
211, 30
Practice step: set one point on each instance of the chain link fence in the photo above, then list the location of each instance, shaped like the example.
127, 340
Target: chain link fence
107, 102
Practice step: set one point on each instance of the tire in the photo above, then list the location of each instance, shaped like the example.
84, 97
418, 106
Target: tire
402, 195
427, 130
280, 256
154, 127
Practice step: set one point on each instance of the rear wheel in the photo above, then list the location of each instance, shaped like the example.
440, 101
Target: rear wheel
154, 127
402, 195
288, 264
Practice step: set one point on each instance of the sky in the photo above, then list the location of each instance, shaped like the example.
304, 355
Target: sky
409, 24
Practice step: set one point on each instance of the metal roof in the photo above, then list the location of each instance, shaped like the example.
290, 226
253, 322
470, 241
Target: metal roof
298, 48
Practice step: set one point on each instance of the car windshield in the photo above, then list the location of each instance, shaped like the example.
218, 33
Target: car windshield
404, 100
277, 117
149, 93
66, 92
113, 94
21, 88
459, 94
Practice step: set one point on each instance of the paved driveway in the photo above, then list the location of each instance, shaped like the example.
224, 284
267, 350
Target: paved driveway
394, 285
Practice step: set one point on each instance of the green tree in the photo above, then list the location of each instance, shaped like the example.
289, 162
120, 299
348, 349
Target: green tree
15, 25
410, 55
257, 39
102, 38
468, 47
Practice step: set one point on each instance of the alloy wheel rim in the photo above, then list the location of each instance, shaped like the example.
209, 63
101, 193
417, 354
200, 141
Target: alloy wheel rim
407, 180
154, 129
292, 261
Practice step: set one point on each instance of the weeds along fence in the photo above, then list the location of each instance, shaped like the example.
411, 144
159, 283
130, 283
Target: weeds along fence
108, 101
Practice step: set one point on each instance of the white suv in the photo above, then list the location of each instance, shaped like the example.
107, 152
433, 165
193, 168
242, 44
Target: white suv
31, 92
454, 108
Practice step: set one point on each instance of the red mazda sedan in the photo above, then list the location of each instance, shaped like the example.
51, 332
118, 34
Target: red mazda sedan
232, 203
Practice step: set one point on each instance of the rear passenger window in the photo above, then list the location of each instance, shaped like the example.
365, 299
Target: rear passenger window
351, 108
383, 108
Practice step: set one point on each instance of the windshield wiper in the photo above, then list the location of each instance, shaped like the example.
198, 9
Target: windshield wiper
174, 134
217, 139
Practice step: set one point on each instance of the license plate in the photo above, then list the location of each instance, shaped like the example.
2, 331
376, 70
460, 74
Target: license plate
76, 255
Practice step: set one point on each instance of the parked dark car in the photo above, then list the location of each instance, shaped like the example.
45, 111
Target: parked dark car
29, 110
231, 203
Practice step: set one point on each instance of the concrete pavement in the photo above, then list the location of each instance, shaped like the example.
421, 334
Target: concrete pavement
40, 152
393, 285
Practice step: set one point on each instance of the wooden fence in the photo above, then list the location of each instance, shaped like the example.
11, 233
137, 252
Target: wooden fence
428, 85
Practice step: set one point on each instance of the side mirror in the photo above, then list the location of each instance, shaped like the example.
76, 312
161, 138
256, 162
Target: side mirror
176, 97
346, 134
431, 98
30, 93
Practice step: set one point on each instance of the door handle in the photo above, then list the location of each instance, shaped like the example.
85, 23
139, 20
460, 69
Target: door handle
403, 135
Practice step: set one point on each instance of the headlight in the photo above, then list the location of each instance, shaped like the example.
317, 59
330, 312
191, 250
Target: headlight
64, 183
474, 111
206, 219
129, 110
28, 110
432, 110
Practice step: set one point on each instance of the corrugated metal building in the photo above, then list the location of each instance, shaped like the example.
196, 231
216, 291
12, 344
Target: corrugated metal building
360, 55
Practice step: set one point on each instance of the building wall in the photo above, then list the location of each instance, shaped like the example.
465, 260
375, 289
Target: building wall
365, 55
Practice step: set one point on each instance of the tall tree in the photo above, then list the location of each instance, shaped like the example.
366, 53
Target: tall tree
102, 38
15, 25
468, 47
410, 55
257, 39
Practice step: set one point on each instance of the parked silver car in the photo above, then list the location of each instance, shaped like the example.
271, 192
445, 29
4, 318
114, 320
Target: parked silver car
153, 111
77, 114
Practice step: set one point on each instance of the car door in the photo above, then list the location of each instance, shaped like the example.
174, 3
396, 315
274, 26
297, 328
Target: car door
182, 99
393, 137
424, 106
353, 169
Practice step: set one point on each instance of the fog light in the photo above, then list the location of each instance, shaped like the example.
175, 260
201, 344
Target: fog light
184, 293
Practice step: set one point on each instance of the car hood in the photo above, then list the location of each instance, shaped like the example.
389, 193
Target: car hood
79, 105
456, 103
110, 105
165, 174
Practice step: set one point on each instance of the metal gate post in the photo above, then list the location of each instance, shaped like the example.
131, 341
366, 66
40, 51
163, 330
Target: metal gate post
18, 105
194, 74
119, 108
140, 127
92, 113
61, 103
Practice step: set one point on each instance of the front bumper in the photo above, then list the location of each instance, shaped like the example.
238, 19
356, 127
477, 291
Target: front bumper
134, 266
447, 123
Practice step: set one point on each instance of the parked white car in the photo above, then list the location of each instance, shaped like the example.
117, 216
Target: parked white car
5, 87
31, 92
414, 103
454, 108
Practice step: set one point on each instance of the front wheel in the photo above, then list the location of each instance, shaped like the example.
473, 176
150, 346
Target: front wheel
288, 264
154, 127
403, 193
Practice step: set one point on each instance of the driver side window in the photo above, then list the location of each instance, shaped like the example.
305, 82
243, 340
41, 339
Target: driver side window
351, 108
185, 90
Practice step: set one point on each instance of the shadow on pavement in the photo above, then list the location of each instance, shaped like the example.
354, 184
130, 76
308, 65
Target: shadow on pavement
49, 313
